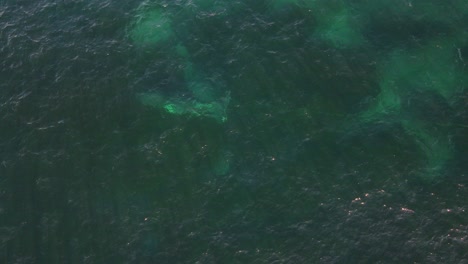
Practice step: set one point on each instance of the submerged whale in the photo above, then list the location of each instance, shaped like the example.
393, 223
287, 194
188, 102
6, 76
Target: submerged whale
153, 29
191, 107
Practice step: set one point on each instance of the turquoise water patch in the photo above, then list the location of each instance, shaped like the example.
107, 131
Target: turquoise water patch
336, 23
216, 131
151, 28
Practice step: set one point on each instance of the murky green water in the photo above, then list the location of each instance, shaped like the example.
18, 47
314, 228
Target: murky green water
204, 131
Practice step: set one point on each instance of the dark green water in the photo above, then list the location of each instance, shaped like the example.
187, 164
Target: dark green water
203, 131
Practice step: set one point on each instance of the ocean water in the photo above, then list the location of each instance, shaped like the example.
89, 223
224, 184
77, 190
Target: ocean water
215, 131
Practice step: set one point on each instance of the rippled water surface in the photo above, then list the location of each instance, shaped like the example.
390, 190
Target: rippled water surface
214, 131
